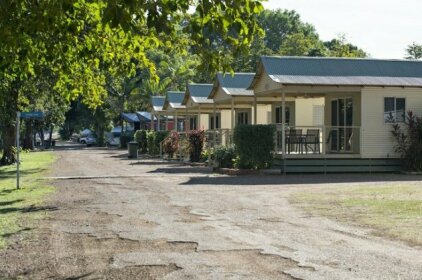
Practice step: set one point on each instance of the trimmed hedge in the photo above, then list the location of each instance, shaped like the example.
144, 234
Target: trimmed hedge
141, 138
254, 145
154, 138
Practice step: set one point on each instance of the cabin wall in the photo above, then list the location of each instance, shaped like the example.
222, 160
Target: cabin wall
226, 119
377, 140
306, 111
204, 121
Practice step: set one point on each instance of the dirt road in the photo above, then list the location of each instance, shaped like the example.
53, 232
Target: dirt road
114, 218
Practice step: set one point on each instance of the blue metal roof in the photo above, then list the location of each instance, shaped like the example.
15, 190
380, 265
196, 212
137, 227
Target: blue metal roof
199, 93
342, 71
144, 116
130, 117
157, 103
237, 80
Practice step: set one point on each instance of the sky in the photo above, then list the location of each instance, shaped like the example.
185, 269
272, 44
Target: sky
382, 28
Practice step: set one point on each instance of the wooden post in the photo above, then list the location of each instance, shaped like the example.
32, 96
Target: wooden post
198, 122
283, 130
175, 128
255, 111
158, 122
232, 114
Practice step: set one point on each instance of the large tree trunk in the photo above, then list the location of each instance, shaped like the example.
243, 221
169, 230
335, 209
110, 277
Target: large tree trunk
8, 111
50, 139
9, 139
28, 143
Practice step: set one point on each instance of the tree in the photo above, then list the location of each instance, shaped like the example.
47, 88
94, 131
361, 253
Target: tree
414, 51
340, 47
79, 39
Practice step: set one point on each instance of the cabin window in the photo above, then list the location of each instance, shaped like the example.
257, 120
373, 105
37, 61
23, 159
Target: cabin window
394, 109
193, 123
242, 118
215, 123
279, 116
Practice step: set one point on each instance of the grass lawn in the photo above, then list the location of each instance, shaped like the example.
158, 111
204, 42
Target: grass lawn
392, 210
19, 207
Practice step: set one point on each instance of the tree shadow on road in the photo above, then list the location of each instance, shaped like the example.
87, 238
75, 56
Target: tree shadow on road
300, 179
183, 170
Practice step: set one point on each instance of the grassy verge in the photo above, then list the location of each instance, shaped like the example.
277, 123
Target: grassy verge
19, 207
393, 211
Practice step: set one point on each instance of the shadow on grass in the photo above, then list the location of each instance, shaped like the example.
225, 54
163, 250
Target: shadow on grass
7, 191
12, 173
305, 179
30, 209
6, 235
7, 203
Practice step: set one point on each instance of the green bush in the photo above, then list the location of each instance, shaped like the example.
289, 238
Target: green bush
141, 138
154, 138
125, 138
408, 138
223, 156
196, 143
254, 145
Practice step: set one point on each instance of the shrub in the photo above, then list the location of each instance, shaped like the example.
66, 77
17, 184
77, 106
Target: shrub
409, 142
254, 145
196, 144
154, 138
141, 138
223, 156
125, 138
171, 144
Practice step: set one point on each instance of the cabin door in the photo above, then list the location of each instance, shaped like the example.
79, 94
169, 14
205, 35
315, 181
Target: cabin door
341, 131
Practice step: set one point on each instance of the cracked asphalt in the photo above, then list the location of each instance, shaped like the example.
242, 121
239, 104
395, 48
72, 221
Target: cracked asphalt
117, 218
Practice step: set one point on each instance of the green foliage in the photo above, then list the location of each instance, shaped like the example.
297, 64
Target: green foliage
409, 142
414, 51
254, 145
87, 44
341, 48
154, 138
196, 143
223, 156
125, 138
141, 138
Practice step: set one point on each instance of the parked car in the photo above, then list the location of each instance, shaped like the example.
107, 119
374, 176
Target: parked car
113, 138
88, 140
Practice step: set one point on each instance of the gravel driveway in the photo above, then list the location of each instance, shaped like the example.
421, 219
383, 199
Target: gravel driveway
116, 218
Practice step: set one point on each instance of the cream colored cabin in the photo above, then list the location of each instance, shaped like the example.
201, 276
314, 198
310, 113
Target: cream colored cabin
351, 103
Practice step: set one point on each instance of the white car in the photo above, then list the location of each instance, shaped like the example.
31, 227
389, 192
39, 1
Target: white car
88, 140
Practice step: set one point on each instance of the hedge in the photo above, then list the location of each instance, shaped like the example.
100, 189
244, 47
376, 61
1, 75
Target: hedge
254, 145
154, 138
141, 138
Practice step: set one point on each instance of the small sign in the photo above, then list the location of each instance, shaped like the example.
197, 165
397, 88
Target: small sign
32, 115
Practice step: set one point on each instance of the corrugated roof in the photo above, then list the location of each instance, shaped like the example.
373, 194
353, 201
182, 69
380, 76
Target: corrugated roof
236, 84
343, 71
175, 98
238, 80
144, 116
157, 102
199, 93
130, 117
